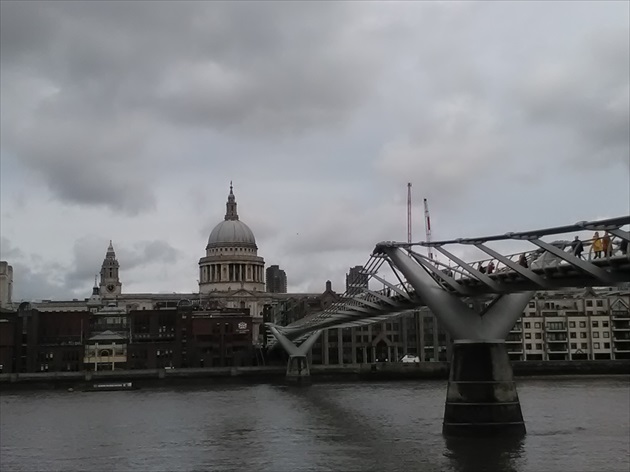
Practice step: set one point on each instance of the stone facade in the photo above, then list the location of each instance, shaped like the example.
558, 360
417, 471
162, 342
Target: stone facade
6, 284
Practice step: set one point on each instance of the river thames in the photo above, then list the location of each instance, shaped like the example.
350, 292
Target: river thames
574, 424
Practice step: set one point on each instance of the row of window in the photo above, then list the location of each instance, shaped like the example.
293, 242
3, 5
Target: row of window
231, 249
539, 346
562, 325
583, 335
551, 305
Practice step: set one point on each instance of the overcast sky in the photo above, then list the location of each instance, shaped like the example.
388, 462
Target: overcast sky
127, 121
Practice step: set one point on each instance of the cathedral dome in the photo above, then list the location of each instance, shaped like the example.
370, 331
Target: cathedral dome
231, 231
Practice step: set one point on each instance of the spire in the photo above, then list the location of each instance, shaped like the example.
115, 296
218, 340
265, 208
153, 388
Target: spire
110, 249
95, 290
231, 213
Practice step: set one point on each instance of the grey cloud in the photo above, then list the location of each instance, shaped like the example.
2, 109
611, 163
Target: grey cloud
346, 225
36, 284
145, 253
35, 277
88, 254
586, 95
93, 93
8, 251
458, 138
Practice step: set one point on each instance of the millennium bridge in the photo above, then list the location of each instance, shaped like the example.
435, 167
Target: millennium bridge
481, 395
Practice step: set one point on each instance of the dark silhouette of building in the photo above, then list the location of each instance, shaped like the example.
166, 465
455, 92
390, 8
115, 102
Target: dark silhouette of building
276, 280
43, 341
356, 280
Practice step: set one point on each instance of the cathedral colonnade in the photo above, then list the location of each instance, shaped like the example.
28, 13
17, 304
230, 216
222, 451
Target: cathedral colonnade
232, 272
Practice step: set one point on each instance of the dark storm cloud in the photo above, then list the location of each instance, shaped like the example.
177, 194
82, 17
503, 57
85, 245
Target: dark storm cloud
94, 92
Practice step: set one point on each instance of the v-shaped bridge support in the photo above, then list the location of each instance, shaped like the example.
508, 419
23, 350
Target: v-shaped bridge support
481, 398
462, 322
297, 368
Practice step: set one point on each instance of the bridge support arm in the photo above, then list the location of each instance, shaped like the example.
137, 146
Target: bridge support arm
298, 370
461, 321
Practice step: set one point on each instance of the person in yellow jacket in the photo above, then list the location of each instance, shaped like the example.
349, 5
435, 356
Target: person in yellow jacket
598, 246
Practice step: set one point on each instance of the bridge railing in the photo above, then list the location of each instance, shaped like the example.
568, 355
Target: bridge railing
534, 259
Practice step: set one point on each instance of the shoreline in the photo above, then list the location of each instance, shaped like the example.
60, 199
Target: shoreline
319, 373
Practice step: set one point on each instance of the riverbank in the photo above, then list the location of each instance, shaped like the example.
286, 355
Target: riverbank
319, 373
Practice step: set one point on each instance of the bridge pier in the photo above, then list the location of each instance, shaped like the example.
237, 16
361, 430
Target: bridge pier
298, 371
481, 399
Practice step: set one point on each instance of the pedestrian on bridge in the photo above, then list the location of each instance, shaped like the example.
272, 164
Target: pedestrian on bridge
598, 246
577, 247
522, 261
606, 245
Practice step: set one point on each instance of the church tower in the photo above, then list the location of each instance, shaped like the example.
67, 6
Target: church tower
110, 285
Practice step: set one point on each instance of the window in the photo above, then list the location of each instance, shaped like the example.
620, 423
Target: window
528, 335
573, 335
573, 345
528, 325
582, 324
589, 302
596, 334
536, 325
596, 345
556, 325
606, 334
539, 346
583, 335
532, 304
538, 335
607, 345
571, 324
528, 346
584, 346
595, 324
600, 303
605, 324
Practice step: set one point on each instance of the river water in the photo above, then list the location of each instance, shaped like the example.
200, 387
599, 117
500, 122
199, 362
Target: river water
574, 424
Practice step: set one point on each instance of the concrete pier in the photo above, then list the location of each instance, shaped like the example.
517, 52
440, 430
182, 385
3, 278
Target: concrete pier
298, 372
481, 399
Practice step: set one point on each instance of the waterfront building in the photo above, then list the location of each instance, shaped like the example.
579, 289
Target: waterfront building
43, 341
573, 324
417, 333
187, 335
276, 279
106, 345
8, 339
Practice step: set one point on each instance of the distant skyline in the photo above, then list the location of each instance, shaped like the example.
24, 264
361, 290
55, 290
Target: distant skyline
128, 120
